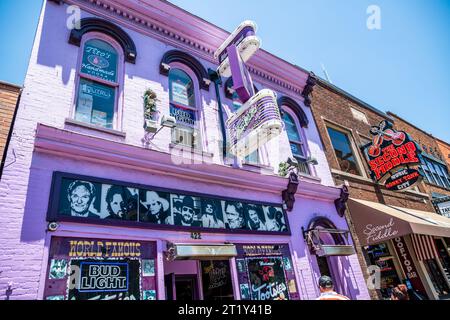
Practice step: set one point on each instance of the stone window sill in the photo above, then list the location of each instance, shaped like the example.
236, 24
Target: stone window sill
73, 122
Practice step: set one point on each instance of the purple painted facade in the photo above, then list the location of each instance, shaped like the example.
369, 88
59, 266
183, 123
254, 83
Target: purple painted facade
46, 139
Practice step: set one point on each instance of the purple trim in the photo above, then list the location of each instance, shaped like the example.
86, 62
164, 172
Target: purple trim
246, 32
242, 81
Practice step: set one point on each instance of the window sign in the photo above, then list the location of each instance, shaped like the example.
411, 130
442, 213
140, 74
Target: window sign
265, 272
95, 103
216, 280
92, 200
183, 115
100, 269
99, 60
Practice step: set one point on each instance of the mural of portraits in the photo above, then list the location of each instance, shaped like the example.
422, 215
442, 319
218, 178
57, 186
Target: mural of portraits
212, 215
234, 215
154, 207
106, 201
274, 219
186, 211
256, 220
119, 202
80, 198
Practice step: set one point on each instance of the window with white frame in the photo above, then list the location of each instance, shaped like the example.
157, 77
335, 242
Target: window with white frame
296, 142
183, 106
99, 82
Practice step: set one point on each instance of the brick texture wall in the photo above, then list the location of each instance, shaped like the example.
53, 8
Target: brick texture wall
444, 147
332, 108
428, 144
8, 100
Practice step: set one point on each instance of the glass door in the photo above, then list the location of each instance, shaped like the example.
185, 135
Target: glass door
216, 280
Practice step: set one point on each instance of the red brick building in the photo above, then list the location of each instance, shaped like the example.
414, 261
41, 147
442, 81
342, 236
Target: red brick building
9, 94
385, 224
434, 167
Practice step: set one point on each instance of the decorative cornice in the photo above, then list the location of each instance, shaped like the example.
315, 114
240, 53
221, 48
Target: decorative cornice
310, 83
108, 28
131, 15
71, 144
185, 58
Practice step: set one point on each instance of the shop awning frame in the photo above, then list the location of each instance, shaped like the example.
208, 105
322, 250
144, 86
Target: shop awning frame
316, 245
376, 222
204, 251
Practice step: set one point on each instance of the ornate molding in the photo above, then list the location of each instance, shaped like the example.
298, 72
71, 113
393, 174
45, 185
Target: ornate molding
164, 34
310, 83
296, 108
108, 28
341, 202
188, 60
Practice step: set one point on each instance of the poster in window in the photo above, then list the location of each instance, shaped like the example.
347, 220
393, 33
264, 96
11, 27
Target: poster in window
99, 117
183, 115
180, 93
216, 279
106, 280
267, 279
99, 60
58, 269
95, 103
84, 107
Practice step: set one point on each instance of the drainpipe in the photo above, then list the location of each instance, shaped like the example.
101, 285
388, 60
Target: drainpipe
8, 139
215, 77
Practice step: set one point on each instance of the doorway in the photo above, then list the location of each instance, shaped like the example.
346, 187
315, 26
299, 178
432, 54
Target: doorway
181, 287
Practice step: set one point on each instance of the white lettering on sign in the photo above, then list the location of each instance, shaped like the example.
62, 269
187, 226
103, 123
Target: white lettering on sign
269, 291
380, 232
103, 277
404, 257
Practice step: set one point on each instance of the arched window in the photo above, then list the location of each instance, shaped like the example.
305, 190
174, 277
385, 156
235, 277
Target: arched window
99, 81
252, 158
183, 106
296, 141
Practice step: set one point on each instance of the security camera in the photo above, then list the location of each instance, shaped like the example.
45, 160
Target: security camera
52, 226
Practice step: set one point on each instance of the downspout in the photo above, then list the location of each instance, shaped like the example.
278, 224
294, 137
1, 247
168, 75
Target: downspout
215, 77
8, 139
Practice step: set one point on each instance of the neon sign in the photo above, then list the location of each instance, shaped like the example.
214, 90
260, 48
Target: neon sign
390, 157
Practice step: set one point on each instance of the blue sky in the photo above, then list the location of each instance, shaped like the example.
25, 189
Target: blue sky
403, 68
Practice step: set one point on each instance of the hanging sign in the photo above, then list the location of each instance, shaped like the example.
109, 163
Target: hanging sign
390, 157
407, 264
258, 120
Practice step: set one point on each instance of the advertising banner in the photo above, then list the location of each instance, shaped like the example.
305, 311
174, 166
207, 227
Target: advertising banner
100, 269
390, 157
99, 201
265, 272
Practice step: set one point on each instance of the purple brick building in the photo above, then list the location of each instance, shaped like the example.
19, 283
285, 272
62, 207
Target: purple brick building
95, 205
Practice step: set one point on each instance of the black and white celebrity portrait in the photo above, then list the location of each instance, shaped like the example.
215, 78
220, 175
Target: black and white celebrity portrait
120, 203
80, 196
255, 217
212, 216
275, 220
154, 208
234, 214
188, 216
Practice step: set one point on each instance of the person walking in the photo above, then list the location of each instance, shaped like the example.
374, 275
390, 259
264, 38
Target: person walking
327, 292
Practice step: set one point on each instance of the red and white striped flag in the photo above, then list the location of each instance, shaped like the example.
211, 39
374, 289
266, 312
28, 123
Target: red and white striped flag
424, 247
